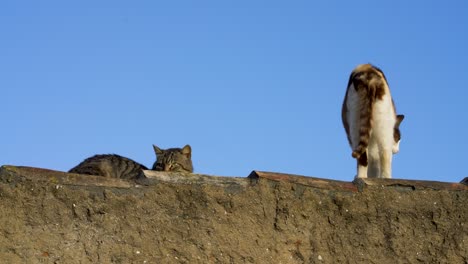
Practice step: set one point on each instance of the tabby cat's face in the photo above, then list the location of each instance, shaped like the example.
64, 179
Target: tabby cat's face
173, 159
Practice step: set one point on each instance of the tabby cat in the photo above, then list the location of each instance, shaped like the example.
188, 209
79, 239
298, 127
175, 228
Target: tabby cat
115, 166
370, 120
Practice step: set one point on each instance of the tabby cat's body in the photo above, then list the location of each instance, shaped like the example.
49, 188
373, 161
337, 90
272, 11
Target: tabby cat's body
110, 165
370, 121
115, 166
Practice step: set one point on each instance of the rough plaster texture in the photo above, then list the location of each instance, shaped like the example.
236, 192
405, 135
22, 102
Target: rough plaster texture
55, 217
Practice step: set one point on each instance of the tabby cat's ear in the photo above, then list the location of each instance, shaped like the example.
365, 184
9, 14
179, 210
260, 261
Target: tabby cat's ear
187, 151
157, 150
399, 119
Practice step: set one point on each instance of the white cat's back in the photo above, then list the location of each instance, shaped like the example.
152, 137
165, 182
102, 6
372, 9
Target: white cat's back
370, 121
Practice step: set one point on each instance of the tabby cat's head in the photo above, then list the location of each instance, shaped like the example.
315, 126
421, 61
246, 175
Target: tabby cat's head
397, 134
173, 159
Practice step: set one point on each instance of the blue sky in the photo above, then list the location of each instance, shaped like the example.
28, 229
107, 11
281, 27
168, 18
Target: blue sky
250, 85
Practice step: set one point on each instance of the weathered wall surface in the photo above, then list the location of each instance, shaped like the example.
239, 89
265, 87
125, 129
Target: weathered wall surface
54, 217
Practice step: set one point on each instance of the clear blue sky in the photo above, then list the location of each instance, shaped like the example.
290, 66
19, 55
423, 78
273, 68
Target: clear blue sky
250, 85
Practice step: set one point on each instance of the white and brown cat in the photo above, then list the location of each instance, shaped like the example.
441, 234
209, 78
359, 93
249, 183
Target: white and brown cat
371, 123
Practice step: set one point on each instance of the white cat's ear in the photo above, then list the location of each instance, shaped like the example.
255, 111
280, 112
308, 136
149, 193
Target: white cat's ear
187, 151
399, 119
157, 150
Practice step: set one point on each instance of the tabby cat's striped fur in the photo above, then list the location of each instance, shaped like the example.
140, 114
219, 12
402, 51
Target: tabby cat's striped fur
370, 120
115, 166
110, 165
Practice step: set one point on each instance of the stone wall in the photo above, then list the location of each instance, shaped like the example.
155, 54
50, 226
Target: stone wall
54, 217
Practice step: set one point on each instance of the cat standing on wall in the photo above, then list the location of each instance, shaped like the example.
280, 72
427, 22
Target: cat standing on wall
115, 166
370, 120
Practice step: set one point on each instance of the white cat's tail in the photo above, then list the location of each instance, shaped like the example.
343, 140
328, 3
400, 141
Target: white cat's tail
370, 87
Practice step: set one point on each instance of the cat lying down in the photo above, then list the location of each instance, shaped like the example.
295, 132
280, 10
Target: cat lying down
115, 166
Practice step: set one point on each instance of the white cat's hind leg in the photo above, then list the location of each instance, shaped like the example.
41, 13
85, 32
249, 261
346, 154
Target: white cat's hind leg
373, 160
386, 164
361, 171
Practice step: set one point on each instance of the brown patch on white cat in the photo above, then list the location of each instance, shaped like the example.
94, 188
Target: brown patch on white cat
396, 132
